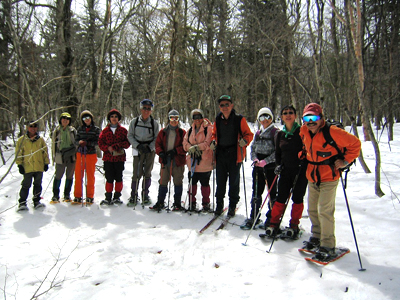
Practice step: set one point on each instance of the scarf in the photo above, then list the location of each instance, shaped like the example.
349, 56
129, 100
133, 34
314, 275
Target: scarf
287, 133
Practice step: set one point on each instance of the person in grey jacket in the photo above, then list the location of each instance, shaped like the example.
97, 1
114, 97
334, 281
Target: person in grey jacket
63, 153
263, 156
142, 135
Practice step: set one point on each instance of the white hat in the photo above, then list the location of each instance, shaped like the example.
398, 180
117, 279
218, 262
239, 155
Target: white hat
197, 110
265, 111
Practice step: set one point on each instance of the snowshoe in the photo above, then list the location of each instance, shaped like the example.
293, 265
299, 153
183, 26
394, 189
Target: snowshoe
54, 200
76, 201
132, 201
67, 198
106, 202
157, 207
37, 205
146, 200
22, 206
89, 201
326, 255
310, 246
293, 233
206, 208
248, 223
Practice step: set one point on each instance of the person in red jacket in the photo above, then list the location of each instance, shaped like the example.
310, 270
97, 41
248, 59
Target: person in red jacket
199, 159
231, 136
112, 141
171, 154
323, 173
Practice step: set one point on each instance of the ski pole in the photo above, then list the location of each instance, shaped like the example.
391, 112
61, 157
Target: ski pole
169, 188
213, 171
256, 191
259, 213
286, 204
351, 222
142, 167
244, 184
85, 171
135, 197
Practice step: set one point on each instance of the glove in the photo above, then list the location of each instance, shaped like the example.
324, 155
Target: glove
163, 158
198, 153
278, 170
21, 169
82, 143
242, 142
46, 167
171, 153
141, 148
213, 146
261, 163
193, 149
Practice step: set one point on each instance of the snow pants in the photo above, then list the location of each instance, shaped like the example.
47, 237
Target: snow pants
85, 164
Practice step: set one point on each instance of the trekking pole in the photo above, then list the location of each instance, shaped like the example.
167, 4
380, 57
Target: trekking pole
259, 213
351, 222
193, 169
135, 197
244, 184
256, 190
85, 172
169, 188
284, 210
142, 167
213, 171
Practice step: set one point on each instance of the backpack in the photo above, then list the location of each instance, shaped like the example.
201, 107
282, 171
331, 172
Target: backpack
329, 140
190, 131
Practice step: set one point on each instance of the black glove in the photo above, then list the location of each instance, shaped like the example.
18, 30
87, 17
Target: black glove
142, 148
46, 167
171, 153
21, 169
278, 170
147, 149
163, 158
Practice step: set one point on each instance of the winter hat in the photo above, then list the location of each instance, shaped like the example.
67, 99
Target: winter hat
173, 112
32, 123
265, 111
312, 109
198, 111
86, 113
65, 115
146, 102
225, 98
114, 112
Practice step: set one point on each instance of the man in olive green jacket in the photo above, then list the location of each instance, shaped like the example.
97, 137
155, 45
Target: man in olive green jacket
32, 159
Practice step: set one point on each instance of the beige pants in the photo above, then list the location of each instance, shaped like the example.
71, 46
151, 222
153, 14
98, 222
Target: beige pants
321, 210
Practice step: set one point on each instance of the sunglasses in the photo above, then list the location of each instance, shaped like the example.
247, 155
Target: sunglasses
312, 118
33, 126
172, 118
86, 118
224, 105
264, 117
288, 113
197, 117
146, 108
114, 116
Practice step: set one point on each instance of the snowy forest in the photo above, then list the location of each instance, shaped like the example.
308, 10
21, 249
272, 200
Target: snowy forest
66, 55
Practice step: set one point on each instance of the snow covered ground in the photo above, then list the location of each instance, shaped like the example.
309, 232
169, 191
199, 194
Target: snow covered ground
74, 252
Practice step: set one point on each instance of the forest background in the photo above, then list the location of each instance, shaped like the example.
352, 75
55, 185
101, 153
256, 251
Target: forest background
66, 55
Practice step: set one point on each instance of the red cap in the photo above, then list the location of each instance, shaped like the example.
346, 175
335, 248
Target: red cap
312, 109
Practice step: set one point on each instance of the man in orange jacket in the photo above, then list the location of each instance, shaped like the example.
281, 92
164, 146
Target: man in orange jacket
323, 173
231, 136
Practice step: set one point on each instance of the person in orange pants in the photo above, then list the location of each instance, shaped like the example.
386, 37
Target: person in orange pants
86, 139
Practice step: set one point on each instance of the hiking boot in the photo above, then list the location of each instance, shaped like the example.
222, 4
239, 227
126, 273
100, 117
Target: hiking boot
67, 198
54, 200
292, 231
312, 244
37, 205
146, 200
132, 201
177, 207
231, 211
158, 206
271, 231
89, 201
206, 207
325, 253
192, 206
22, 206
77, 200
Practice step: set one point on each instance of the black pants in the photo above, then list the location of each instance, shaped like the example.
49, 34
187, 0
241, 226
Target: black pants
285, 184
113, 171
26, 184
227, 167
203, 177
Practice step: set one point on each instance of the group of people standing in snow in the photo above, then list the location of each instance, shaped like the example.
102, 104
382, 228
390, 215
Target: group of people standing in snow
297, 155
